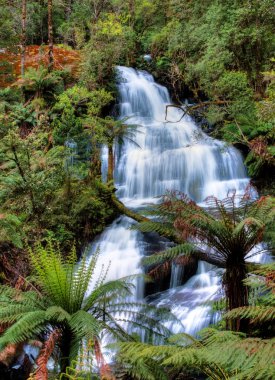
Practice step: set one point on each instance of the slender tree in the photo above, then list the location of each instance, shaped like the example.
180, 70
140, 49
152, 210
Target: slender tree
68, 9
117, 132
23, 35
50, 34
132, 8
98, 7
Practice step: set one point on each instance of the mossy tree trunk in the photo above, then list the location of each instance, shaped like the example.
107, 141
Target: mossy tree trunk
236, 291
23, 36
95, 167
110, 173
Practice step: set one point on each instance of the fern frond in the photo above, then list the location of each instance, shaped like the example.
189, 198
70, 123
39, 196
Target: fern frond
83, 277
116, 289
84, 325
11, 313
220, 355
61, 302
182, 339
25, 328
151, 226
170, 254
57, 314
257, 314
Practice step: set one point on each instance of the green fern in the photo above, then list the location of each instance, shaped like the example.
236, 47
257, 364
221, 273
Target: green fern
220, 355
10, 226
62, 302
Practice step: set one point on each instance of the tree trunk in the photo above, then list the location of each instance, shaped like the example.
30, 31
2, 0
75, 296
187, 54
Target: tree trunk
65, 348
23, 176
68, 9
68, 12
122, 209
50, 34
23, 36
236, 291
110, 176
95, 168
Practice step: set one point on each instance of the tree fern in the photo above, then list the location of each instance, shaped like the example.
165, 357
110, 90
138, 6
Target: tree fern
224, 233
63, 303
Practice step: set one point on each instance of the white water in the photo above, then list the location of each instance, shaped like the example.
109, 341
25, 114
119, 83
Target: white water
116, 244
170, 155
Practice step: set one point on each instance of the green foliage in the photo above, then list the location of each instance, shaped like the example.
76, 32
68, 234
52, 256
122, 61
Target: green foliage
41, 83
9, 95
9, 29
220, 355
107, 47
47, 185
32, 174
10, 230
22, 115
35, 186
234, 86
76, 109
82, 101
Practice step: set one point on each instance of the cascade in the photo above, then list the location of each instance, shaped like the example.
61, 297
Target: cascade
170, 154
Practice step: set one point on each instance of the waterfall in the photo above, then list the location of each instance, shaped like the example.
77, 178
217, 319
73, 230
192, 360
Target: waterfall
171, 153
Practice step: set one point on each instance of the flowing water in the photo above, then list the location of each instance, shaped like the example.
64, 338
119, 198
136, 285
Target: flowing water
170, 153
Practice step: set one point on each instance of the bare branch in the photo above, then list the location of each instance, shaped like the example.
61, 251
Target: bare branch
190, 109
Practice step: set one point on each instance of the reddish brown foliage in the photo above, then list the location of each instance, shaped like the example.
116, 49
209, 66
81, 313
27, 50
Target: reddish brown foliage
20, 283
10, 61
270, 280
10, 352
259, 147
45, 354
185, 260
11, 269
161, 270
105, 371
